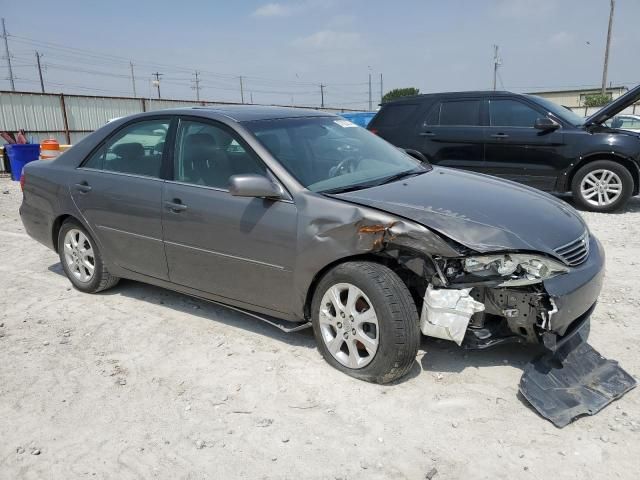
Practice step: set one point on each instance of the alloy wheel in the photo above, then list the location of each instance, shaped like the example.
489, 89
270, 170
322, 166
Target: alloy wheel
349, 325
601, 187
78, 254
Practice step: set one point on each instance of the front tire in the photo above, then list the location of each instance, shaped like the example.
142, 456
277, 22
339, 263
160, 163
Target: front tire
365, 322
81, 259
602, 186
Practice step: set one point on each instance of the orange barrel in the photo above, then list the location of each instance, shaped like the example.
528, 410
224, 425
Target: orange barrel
49, 149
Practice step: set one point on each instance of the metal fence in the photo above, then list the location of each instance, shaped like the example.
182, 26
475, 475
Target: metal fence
68, 118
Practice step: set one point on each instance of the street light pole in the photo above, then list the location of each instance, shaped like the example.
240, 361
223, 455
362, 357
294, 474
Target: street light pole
606, 51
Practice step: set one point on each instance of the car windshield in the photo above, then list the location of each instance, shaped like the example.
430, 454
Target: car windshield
331, 154
559, 111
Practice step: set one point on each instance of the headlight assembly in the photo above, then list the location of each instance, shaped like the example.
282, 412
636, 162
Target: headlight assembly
515, 268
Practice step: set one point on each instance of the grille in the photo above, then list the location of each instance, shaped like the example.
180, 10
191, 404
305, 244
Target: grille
576, 252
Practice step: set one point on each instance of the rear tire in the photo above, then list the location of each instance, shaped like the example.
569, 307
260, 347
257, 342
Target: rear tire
381, 315
81, 259
602, 186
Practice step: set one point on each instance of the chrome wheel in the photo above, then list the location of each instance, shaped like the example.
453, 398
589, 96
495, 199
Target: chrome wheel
349, 325
78, 254
601, 187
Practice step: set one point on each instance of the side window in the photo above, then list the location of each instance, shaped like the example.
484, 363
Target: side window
208, 155
136, 149
433, 116
511, 113
460, 113
394, 114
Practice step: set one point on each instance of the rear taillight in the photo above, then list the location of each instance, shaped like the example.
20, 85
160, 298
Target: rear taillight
22, 182
374, 131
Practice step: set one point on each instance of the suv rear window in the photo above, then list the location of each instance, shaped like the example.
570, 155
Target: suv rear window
460, 113
394, 114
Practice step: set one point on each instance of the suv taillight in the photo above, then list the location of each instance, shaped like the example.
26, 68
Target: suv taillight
22, 179
374, 131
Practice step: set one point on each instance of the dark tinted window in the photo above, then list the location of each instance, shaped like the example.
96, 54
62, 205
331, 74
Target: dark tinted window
394, 114
463, 112
511, 113
433, 116
208, 155
136, 149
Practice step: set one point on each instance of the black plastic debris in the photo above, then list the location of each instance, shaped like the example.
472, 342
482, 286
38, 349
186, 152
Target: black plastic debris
573, 381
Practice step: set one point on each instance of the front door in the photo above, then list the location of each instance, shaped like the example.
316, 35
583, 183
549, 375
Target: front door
452, 135
517, 151
118, 191
233, 247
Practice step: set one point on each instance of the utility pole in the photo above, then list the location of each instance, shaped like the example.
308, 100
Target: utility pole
156, 82
133, 80
251, 94
38, 55
196, 85
381, 94
370, 104
496, 64
322, 95
241, 90
8, 56
606, 51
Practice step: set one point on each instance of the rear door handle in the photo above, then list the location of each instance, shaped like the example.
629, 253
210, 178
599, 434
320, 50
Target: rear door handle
83, 187
176, 206
427, 134
500, 135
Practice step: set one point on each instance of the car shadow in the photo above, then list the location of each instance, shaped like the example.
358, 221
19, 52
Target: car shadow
435, 355
632, 206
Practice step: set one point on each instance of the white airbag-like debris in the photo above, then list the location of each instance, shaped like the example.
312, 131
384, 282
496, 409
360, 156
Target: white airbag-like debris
446, 313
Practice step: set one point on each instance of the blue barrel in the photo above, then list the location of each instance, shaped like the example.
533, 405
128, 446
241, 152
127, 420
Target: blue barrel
20, 155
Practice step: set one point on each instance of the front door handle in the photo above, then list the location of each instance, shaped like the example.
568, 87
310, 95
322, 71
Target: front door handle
500, 135
427, 134
176, 206
83, 187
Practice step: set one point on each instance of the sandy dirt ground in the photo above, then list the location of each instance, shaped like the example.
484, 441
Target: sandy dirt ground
140, 382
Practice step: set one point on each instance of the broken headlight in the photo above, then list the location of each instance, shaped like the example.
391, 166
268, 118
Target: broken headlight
514, 268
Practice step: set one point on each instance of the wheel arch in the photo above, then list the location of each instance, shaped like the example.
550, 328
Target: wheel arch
382, 258
57, 225
626, 162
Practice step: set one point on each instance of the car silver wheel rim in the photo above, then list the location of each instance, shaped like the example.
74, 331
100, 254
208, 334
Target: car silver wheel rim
78, 254
601, 187
349, 325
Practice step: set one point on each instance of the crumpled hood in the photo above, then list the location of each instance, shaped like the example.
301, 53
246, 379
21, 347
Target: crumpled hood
478, 211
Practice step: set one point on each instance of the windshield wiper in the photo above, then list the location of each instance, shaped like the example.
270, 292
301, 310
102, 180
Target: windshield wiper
348, 188
401, 175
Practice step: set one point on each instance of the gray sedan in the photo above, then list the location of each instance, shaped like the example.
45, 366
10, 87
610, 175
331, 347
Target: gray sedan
301, 218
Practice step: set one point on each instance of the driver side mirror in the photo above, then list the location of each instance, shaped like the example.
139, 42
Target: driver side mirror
250, 185
545, 123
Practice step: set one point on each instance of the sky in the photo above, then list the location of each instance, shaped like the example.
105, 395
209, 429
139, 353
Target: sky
285, 50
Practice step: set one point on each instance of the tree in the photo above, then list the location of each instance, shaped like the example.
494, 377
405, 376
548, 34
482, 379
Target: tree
596, 100
399, 93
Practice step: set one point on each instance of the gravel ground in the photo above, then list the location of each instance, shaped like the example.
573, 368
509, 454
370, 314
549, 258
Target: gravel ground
141, 382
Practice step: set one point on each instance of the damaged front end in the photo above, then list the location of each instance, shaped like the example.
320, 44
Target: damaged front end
480, 301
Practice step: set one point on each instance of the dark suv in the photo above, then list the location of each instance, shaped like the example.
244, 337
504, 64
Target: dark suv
524, 138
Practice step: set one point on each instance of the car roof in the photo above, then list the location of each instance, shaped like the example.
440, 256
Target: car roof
432, 96
248, 113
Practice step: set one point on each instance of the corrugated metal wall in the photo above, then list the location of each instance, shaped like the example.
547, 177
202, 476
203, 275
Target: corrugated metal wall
43, 115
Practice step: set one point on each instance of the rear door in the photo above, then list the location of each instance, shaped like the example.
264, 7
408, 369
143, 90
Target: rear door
517, 151
238, 248
452, 135
118, 191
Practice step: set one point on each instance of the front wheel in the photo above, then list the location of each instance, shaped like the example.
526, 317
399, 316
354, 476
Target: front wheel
365, 322
602, 186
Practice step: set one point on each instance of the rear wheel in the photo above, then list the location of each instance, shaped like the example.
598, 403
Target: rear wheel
365, 322
81, 259
602, 186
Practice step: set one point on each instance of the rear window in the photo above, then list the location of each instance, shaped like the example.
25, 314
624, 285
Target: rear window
394, 114
460, 113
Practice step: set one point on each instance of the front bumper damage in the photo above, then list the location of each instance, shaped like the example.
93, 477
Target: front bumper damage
570, 379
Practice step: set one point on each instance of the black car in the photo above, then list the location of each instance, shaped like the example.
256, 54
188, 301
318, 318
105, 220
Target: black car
524, 138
